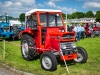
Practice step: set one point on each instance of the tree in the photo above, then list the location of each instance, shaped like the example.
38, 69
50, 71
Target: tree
64, 16
74, 15
98, 16
69, 16
22, 17
89, 14
78, 15
10, 17
97, 13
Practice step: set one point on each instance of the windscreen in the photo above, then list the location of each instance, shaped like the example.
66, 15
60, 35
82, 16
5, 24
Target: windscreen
50, 20
31, 21
2, 19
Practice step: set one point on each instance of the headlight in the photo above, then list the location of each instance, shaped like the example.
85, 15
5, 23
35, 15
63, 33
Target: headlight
73, 45
67, 46
63, 46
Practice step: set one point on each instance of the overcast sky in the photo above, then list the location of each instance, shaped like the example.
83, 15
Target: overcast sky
16, 7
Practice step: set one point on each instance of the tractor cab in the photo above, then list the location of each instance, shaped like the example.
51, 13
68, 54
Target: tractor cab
45, 34
5, 30
47, 22
4, 21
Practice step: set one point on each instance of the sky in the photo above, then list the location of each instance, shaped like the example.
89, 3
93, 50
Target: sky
16, 7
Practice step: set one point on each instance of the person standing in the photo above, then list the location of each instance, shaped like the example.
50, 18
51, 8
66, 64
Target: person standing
78, 32
82, 32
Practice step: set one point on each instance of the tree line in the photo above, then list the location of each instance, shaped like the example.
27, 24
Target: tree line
78, 15
74, 15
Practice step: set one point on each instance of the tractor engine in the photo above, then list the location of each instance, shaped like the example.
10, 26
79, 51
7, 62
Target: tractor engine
61, 42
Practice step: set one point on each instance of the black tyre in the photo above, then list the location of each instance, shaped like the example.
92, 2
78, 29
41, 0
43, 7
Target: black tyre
27, 51
48, 61
82, 55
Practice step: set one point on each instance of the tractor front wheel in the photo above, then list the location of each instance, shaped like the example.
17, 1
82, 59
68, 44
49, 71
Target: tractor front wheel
48, 61
81, 55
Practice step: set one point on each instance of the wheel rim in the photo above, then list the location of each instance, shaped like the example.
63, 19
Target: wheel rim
79, 57
47, 63
25, 48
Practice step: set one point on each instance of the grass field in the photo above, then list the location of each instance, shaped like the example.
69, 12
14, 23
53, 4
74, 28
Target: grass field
92, 67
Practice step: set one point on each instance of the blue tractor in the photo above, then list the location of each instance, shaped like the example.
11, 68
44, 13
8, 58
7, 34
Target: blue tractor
8, 31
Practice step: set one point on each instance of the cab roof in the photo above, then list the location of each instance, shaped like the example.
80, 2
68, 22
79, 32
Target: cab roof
45, 10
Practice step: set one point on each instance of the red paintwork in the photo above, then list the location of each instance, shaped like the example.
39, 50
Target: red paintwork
69, 57
95, 28
87, 30
52, 40
53, 36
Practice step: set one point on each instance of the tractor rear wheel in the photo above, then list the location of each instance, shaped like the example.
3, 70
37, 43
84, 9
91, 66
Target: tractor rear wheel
48, 61
27, 50
82, 55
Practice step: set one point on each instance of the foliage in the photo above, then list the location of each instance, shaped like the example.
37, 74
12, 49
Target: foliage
22, 17
74, 15
64, 16
89, 14
77, 15
97, 13
69, 16
10, 17
81, 14
91, 67
98, 16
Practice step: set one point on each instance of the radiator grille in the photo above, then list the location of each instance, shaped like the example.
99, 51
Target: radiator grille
68, 47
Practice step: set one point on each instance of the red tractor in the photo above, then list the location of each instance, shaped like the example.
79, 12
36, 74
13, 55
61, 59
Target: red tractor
92, 29
45, 35
96, 30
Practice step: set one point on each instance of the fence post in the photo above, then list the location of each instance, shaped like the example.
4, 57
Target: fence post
3, 49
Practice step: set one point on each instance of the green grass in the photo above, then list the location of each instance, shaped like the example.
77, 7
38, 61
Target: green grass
92, 67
